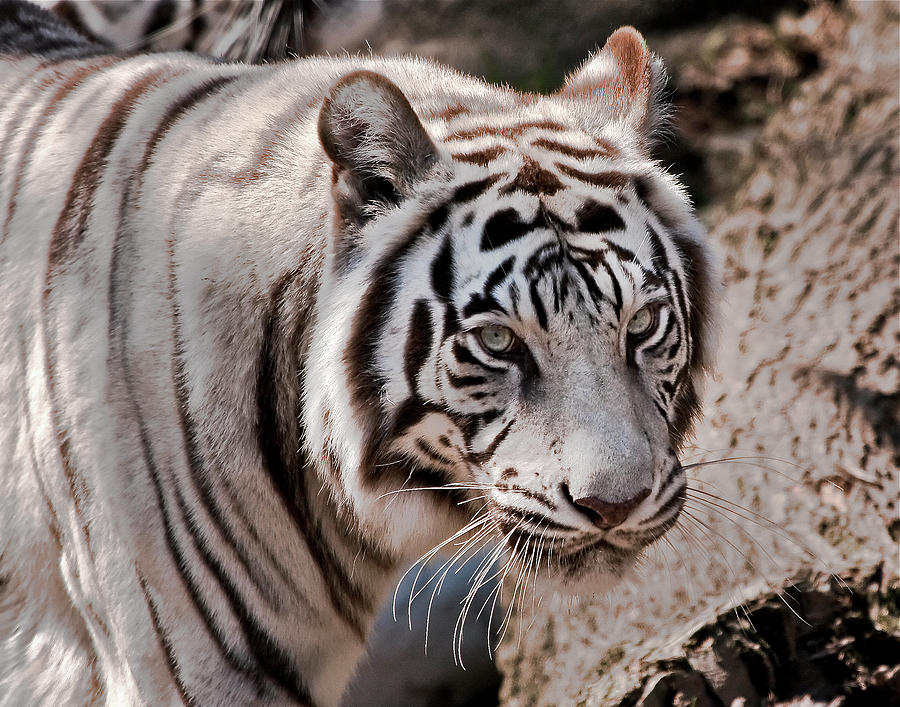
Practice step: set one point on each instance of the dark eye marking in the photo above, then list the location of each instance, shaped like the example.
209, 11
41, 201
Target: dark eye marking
594, 217
503, 227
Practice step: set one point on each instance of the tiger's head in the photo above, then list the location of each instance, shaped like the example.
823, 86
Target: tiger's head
515, 316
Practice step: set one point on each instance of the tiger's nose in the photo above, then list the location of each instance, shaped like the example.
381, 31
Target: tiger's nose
607, 515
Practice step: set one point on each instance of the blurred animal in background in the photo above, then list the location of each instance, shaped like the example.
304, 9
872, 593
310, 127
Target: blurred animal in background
240, 30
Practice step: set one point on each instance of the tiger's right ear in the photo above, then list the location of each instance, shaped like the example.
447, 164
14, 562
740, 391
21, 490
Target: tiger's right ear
375, 141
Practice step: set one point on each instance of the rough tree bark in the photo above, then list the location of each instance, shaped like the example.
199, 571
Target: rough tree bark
748, 597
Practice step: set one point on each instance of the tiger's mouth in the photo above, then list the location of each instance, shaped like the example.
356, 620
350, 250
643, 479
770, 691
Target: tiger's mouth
557, 551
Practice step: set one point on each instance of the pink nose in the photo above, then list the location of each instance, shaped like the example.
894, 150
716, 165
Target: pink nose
606, 515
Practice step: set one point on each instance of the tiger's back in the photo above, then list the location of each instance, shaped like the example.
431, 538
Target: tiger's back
234, 307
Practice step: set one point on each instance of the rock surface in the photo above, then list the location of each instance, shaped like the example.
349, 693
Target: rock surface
736, 606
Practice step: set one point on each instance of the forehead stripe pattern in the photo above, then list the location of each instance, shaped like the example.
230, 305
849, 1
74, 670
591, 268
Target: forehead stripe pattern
480, 157
533, 179
579, 153
507, 131
609, 179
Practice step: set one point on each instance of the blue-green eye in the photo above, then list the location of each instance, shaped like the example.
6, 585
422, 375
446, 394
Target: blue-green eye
643, 321
496, 339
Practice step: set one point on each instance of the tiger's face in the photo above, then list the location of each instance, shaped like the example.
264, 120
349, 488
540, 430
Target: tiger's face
519, 311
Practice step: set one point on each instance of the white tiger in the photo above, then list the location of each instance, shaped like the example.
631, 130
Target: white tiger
242, 307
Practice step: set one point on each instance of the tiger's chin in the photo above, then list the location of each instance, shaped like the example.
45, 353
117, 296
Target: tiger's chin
594, 571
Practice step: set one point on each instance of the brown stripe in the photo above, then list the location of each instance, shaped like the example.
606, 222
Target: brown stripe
71, 226
74, 215
533, 179
68, 86
507, 131
611, 180
580, 153
447, 113
479, 157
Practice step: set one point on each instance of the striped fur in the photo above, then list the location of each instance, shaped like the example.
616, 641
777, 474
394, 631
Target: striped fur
240, 310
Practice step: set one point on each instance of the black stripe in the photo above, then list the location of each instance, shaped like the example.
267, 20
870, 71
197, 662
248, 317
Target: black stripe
419, 335
269, 658
527, 493
597, 296
195, 461
489, 416
479, 304
538, 305
195, 458
481, 457
662, 411
472, 190
594, 217
438, 218
237, 662
290, 472
658, 255
654, 350
462, 354
165, 643
677, 501
361, 351
617, 289
465, 381
624, 254
499, 274
425, 448
502, 228
442, 272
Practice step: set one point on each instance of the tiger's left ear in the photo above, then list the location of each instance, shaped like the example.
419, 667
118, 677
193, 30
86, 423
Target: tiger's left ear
375, 141
624, 82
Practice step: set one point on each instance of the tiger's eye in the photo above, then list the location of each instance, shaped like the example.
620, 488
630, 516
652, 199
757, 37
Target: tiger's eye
495, 338
642, 321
